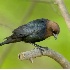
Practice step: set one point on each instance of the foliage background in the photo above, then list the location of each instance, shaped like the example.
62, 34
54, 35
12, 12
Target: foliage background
14, 13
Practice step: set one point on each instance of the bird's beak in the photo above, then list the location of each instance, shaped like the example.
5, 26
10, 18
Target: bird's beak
55, 36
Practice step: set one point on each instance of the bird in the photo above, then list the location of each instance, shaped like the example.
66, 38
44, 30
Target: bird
34, 31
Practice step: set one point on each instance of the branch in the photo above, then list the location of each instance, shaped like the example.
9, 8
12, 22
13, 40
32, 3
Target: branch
64, 12
36, 52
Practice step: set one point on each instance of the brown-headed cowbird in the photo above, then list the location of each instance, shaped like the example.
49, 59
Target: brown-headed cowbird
35, 31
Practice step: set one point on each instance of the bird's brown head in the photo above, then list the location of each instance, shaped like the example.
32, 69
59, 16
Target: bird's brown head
53, 29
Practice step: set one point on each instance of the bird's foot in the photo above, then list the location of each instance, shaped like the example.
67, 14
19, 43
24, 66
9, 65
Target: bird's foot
40, 47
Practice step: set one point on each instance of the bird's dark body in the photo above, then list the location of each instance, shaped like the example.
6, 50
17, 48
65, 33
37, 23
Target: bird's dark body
34, 31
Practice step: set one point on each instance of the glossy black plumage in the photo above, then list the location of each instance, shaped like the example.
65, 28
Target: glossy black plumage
34, 31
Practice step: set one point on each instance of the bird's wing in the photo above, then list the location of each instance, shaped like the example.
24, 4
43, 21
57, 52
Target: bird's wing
30, 28
22, 31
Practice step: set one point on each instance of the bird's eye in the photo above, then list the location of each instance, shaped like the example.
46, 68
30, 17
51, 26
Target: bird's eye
54, 32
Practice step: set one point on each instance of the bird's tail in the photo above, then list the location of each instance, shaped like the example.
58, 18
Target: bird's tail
10, 40
7, 41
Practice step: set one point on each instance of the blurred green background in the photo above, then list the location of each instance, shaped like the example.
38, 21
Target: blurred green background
14, 13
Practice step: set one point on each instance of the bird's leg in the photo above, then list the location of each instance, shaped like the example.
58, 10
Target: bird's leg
40, 47
35, 45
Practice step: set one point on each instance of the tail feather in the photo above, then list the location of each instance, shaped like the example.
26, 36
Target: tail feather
10, 40
7, 41
1, 44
